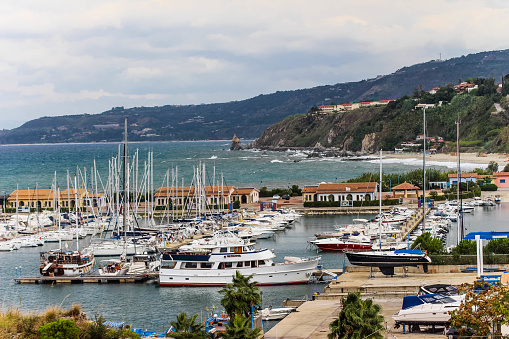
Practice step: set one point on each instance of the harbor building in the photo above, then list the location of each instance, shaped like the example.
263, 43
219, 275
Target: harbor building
48, 198
352, 191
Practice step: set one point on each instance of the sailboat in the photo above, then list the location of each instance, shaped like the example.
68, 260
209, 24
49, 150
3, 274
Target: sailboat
387, 260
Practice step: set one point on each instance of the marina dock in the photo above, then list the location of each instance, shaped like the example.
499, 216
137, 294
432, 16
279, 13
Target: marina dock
312, 318
86, 279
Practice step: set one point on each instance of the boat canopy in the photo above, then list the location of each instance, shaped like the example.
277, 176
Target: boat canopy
443, 289
408, 251
414, 300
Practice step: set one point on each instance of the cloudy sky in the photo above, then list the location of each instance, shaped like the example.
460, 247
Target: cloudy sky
70, 57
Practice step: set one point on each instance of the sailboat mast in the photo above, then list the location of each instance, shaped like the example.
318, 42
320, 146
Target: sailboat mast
124, 214
380, 204
460, 207
424, 173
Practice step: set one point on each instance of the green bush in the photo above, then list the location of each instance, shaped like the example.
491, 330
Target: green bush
450, 259
60, 329
489, 187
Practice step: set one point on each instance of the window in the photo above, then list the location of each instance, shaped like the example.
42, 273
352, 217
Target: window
237, 250
261, 262
240, 264
168, 264
502, 181
247, 263
228, 264
206, 265
190, 265
223, 249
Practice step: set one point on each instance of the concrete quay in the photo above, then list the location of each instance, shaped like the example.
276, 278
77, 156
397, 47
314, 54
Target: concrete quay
312, 318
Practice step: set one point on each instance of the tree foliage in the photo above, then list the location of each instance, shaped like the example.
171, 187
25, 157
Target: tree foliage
187, 327
358, 319
240, 296
426, 242
240, 328
497, 246
465, 247
483, 306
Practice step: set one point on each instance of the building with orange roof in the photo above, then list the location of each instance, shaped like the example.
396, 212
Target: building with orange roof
309, 193
186, 195
48, 198
405, 190
246, 195
355, 191
501, 179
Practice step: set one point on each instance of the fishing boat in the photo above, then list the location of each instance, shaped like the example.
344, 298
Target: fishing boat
387, 260
65, 263
214, 261
428, 309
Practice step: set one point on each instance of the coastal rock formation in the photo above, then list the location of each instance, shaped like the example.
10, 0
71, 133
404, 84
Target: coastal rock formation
236, 145
369, 143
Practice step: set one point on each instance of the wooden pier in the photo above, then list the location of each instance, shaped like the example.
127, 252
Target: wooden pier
87, 279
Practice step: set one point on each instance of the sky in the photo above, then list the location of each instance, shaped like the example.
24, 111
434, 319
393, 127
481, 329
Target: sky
61, 57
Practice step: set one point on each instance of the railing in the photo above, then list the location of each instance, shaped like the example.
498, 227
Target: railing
468, 259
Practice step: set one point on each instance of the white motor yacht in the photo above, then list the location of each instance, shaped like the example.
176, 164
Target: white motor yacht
428, 309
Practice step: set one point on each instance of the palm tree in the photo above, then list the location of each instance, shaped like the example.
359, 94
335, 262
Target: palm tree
240, 296
358, 319
240, 328
187, 328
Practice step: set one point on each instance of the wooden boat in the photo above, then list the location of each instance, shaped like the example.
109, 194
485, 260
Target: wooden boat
65, 263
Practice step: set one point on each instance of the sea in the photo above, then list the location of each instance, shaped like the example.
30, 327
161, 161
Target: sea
147, 305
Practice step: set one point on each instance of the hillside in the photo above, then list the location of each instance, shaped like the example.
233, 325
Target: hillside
249, 118
369, 129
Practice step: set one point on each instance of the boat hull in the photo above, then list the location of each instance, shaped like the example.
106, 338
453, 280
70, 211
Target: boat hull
342, 247
279, 274
388, 259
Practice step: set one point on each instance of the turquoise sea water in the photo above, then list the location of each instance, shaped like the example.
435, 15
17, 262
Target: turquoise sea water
28, 165
147, 305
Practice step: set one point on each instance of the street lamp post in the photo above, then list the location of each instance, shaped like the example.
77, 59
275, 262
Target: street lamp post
424, 172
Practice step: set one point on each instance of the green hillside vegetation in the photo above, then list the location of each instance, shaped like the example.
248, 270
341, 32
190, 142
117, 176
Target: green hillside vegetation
481, 128
249, 118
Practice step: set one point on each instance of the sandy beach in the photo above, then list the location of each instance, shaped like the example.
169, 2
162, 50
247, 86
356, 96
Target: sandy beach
473, 158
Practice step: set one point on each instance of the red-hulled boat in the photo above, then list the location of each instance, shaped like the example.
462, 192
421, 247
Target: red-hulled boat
338, 244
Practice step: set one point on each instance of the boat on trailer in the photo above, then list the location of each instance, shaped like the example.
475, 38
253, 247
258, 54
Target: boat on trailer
428, 309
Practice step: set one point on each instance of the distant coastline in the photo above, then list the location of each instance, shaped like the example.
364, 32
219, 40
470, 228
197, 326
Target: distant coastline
474, 158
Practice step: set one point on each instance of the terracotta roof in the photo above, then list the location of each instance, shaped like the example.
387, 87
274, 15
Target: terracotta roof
45, 194
189, 191
464, 175
354, 187
405, 186
245, 190
310, 189
501, 174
